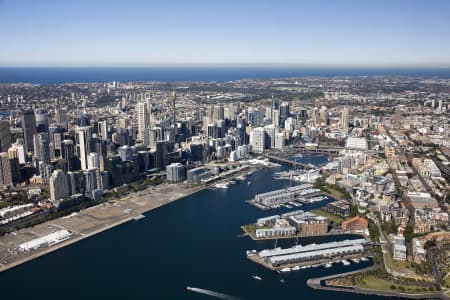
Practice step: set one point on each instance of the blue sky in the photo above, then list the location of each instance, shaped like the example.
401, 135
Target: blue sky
136, 33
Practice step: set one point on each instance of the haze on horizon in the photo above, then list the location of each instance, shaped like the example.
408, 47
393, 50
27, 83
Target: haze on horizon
266, 32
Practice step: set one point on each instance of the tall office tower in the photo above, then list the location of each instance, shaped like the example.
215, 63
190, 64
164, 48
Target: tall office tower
241, 135
274, 106
316, 116
279, 140
323, 115
61, 117
213, 131
91, 179
174, 99
68, 153
345, 118
83, 120
440, 105
93, 160
284, 113
303, 115
125, 153
257, 139
103, 129
83, 137
218, 113
210, 113
276, 117
20, 149
55, 134
255, 117
59, 184
398, 118
5, 136
13, 154
143, 119
5, 171
162, 154
29, 128
270, 131
42, 147
41, 115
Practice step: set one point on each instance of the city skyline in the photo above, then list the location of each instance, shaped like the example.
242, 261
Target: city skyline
305, 33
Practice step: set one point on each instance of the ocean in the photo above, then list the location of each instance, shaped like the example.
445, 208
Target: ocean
54, 75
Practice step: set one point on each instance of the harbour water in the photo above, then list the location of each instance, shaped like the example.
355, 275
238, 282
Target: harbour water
190, 242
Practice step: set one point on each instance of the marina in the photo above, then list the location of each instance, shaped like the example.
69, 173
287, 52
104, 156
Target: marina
314, 255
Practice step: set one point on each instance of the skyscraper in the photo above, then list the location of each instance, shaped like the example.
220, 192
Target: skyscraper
59, 185
42, 147
143, 120
345, 118
257, 139
83, 136
29, 128
41, 116
284, 113
5, 170
5, 136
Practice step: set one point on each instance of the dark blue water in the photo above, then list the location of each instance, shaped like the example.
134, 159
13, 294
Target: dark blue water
191, 242
40, 75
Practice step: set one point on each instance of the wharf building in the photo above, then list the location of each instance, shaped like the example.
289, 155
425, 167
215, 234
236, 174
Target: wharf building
281, 228
309, 224
298, 254
282, 195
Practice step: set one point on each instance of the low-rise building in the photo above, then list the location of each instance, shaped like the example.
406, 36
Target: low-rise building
339, 207
356, 223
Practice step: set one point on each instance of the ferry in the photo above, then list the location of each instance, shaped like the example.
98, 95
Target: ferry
256, 277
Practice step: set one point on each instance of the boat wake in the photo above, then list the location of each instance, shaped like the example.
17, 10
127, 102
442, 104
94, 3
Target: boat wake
212, 293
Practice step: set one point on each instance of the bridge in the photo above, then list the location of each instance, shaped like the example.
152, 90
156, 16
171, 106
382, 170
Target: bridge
289, 162
319, 149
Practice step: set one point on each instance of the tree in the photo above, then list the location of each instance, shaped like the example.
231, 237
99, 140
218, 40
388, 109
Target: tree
429, 244
409, 233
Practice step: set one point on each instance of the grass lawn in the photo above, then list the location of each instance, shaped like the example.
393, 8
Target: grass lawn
321, 212
405, 267
373, 282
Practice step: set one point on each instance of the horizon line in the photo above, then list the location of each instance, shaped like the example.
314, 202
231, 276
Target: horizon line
235, 65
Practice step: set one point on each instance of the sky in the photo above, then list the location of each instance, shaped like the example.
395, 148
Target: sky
229, 32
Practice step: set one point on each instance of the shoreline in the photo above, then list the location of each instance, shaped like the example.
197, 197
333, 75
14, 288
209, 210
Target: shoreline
130, 208
316, 284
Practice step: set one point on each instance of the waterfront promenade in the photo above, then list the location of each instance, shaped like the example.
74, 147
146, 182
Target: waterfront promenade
317, 284
90, 221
